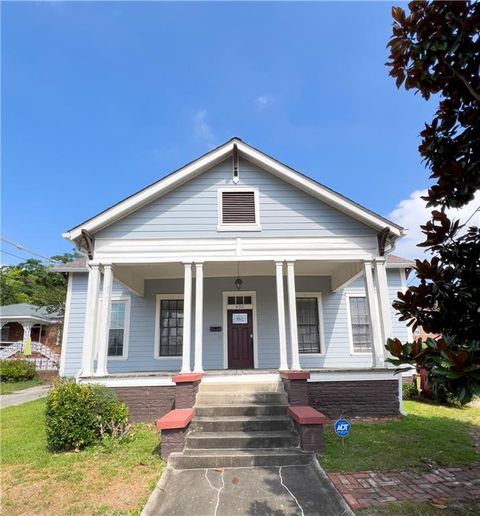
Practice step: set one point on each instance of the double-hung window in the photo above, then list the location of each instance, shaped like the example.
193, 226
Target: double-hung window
360, 324
169, 326
309, 323
118, 332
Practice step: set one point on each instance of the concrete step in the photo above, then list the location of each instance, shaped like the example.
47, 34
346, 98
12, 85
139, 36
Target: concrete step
221, 458
241, 387
242, 398
251, 409
241, 423
209, 440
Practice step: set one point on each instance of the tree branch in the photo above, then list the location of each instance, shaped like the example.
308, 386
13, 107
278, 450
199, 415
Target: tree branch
465, 81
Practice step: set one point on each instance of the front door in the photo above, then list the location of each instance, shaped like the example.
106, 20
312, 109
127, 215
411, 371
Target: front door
240, 339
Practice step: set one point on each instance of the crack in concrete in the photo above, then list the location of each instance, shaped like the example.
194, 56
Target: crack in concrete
218, 490
291, 494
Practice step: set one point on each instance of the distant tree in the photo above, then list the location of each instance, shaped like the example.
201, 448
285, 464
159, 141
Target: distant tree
435, 50
33, 282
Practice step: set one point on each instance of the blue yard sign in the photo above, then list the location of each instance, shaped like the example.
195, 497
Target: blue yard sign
342, 428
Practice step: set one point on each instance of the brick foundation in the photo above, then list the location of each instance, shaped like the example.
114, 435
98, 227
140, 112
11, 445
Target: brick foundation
364, 398
185, 394
311, 436
147, 404
297, 391
173, 441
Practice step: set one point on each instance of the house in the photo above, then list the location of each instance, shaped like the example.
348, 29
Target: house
236, 266
31, 333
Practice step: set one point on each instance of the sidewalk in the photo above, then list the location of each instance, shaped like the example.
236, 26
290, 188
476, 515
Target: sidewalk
17, 398
257, 491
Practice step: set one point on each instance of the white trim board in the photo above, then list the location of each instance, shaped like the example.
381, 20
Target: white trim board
66, 323
348, 376
129, 382
214, 157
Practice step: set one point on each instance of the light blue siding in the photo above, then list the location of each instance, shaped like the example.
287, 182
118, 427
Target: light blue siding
142, 324
191, 211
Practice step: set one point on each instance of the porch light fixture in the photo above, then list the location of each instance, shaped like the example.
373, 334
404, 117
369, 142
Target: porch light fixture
238, 282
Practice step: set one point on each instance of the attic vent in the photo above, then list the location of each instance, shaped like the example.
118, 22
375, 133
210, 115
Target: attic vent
238, 208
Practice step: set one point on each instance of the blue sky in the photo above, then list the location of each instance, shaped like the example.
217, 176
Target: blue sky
101, 99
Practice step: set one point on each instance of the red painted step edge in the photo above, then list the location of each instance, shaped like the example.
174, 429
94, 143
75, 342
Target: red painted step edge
295, 375
189, 377
178, 418
306, 415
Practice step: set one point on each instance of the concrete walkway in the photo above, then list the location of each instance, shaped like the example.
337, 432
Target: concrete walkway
258, 491
17, 398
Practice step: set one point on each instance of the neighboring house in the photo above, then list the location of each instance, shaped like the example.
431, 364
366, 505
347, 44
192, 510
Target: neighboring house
32, 330
235, 264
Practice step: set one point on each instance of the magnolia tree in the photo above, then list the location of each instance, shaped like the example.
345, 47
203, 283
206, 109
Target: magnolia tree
435, 51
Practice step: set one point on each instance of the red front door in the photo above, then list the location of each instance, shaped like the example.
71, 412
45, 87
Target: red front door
240, 339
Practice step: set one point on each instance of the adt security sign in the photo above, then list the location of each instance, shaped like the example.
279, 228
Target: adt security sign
342, 428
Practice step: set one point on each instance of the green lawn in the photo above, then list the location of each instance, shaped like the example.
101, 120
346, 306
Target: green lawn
94, 481
430, 435
420, 509
9, 387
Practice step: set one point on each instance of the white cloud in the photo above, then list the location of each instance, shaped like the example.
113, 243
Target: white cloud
202, 129
412, 212
263, 101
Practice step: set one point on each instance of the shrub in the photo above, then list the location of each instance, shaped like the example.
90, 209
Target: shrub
81, 415
410, 391
17, 370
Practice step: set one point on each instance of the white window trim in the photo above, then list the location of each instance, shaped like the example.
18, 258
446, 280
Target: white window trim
126, 329
321, 329
348, 295
253, 308
238, 227
156, 351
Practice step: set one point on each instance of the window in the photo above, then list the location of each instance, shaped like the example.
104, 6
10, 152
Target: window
360, 324
118, 333
171, 327
239, 300
238, 210
308, 325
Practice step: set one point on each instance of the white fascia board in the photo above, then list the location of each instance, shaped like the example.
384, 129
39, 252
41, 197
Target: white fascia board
150, 193
317, 190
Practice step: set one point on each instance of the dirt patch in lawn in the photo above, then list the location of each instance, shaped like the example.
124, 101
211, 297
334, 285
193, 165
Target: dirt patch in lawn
84, 489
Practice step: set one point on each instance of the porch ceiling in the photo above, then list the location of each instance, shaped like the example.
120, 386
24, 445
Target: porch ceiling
133, 276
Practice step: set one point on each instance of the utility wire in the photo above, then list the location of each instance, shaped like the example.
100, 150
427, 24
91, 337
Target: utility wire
26, 249
475, 211
15, 255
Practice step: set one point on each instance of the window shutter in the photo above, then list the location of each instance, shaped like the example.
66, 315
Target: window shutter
238, 208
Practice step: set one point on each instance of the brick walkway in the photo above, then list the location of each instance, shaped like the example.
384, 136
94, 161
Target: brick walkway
440, 486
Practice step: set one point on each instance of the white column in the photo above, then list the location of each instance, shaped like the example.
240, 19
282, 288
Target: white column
383, 300
90, 331
187, 317
292, 310
282, 336
198, 368
104, 321
377, 347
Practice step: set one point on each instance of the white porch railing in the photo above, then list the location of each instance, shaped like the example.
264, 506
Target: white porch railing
49, 361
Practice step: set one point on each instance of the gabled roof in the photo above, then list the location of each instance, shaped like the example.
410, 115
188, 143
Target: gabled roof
212, 158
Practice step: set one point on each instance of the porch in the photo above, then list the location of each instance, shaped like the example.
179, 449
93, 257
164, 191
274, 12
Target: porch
207, 316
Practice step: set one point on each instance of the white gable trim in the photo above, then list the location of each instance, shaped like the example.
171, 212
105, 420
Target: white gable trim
214, 157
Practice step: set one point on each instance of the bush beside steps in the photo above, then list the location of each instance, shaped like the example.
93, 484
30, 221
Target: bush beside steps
79, 415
